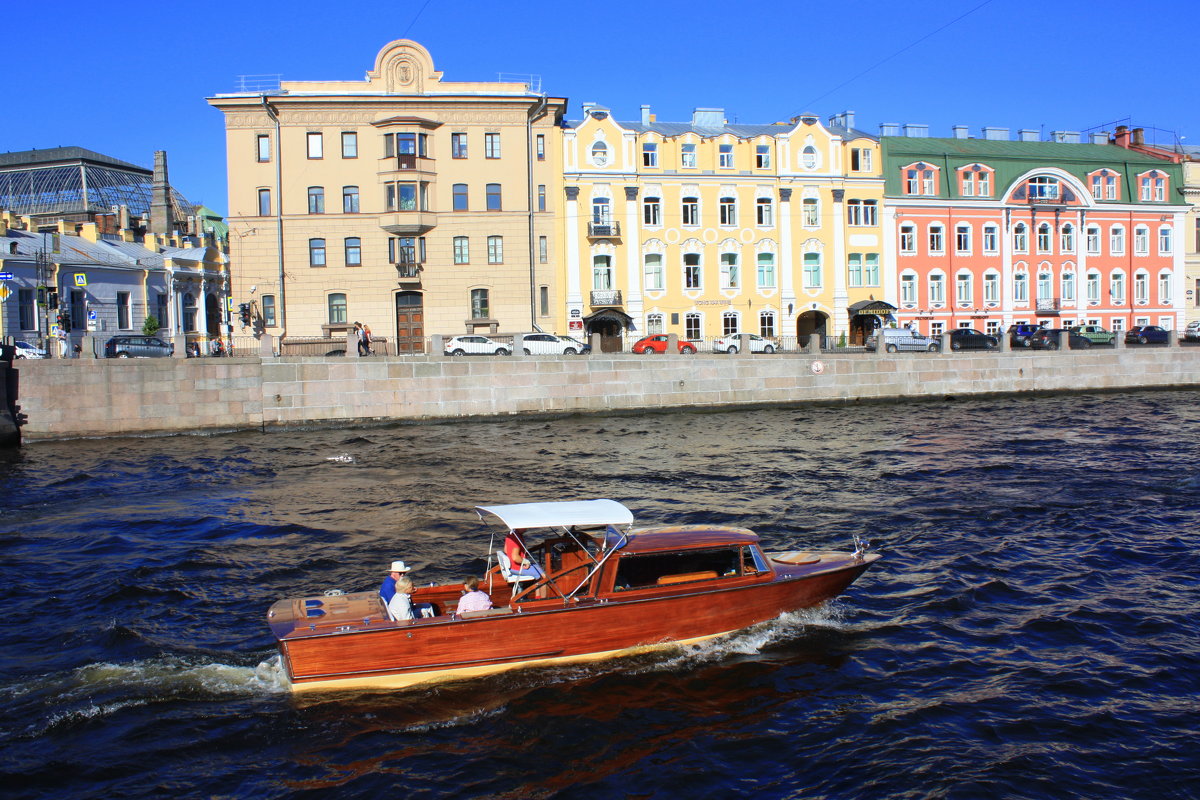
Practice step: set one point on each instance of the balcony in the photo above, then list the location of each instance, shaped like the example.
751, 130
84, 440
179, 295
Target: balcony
408, 272
604, 229
408, 223
409, 163
1048, 305
606, 297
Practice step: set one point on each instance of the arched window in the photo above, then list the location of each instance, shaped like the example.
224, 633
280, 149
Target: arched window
1043, 238
479, 304
1067, 238
654, 323
729, 323
600, 154
937, 289
1020, 237
728, 211
808, 157
336, 305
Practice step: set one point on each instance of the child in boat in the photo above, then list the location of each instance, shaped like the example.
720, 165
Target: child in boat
473, 599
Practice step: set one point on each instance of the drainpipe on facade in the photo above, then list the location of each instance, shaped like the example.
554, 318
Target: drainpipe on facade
535, 114
280, 302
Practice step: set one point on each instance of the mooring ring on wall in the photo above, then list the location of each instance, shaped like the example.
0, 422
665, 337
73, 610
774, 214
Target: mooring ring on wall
818, 367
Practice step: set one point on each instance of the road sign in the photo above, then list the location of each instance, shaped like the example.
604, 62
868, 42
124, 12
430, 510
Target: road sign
80, 279
6, 276
92, 316
4, 292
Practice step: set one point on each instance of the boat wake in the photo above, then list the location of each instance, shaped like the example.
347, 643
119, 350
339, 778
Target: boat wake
344, 458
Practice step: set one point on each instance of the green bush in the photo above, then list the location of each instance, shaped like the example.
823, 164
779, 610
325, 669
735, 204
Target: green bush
150, 326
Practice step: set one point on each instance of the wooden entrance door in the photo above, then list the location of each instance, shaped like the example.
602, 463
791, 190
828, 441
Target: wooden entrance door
410, 323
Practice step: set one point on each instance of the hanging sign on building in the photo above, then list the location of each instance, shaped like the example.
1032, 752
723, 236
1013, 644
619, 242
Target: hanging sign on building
80, 279
6, 276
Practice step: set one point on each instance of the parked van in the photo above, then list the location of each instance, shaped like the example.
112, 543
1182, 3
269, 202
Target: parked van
897, 339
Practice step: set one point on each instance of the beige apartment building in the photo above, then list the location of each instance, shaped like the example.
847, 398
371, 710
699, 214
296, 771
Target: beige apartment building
412, 204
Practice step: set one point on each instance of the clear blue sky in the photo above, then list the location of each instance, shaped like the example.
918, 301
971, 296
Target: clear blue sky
127, 80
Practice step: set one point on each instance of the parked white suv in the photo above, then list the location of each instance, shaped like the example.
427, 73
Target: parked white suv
475, 346
897, 339
549, 344
1191, 333
733, 342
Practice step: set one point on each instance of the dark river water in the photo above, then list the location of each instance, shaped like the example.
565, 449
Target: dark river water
1032, 629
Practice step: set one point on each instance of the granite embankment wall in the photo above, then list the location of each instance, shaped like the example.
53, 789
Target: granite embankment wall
119, 397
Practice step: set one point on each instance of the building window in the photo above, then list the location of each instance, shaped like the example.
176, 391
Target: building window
1043, 187
649, 154
1045, 286
353, 252
543, 250
691, 270
729, 323
26, 309
602, 273
991, 288
406, 250
654, 324
541, 147
962, 288
162, 310
350, 199
336, 304
937, 289
860, 159
479, 304
1068, 287
937, 239
268, 310
728, 211
495, 245
691, 326
812, 271
316, 147
1141, 240
908, 239
766, 270
262, 144
316, 199
652, 211
541, 197
491, 145
460, 197
764, 212
1093, 240
766, 324
601, 211
653, 271
462, 250
808, 157
691, 211
1116, 241
810, 212
730, 274
264, 202
991, 239
855, 266
1066, 238
908, 288
123, 311
1164, 241
1093, 287
687, 156
860, 212
493, 197
919, 180
1153, 187
349, 144
316, 252
871, 272
962, 238
762, 156
1141, 288
1117, 288
1043, 238
1020, 238
600, 154
458, 145
725, 156
1164, 289
1020, 288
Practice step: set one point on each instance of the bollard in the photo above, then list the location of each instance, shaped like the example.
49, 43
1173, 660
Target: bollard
672, 344
944, 340
518, 345
437, 349
744, 344
180, 342
594, 341
89, 347
352, 344
814, 344
1172, 338
1005, 342
266, 346
1119, 340
1064, 340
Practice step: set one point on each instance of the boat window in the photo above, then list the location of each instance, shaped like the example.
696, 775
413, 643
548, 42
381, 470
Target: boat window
755, 560
658, 569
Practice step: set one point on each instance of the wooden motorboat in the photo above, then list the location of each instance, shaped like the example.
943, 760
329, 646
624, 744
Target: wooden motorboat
605, 589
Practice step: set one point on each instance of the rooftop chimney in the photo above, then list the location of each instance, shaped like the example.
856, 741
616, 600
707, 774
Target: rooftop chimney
1065, 137
1121, 137
647, 117
916, 131
160, 207
843, 120
708, 118
996, 134
1028, 135
1139, 137
1100, 137
960, 131
889, 129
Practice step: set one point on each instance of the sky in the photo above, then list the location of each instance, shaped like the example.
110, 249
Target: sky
100, 77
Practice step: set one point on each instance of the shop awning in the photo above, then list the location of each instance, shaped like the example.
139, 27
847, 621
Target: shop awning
871, 307
613, 314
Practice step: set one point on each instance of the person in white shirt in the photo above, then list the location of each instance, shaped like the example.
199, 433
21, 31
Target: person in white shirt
473, 599
400, 606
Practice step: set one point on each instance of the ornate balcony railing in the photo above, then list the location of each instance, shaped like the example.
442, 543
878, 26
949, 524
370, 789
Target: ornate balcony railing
606, 297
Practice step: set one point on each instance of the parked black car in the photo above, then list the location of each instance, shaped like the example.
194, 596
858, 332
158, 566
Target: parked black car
1021, 335
1051, 339
971, 339
1146, 334
136, 346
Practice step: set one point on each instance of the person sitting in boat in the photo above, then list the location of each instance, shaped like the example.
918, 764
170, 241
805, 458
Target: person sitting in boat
389, 583
473, 599
518, 556
400, 606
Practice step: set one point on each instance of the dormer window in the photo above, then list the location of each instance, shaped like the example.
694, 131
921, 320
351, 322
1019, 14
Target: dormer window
1103, 184
920, 179
975, 181
1153, 186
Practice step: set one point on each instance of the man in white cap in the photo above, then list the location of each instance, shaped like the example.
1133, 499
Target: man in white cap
388, 589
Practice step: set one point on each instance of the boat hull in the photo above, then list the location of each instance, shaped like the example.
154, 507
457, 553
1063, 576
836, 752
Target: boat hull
398, 654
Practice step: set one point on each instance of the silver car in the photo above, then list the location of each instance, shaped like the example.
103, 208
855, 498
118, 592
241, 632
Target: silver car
903, 339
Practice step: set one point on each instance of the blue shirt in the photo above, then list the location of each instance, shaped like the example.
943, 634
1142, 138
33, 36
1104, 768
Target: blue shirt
388, 589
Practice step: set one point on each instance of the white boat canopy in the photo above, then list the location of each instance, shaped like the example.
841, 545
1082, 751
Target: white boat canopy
559, 514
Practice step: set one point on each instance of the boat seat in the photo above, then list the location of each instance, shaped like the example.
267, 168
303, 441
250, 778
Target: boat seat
687, 576
506, 569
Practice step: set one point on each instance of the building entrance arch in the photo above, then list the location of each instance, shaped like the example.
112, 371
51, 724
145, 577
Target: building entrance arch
811, 323
410, 322
611, 324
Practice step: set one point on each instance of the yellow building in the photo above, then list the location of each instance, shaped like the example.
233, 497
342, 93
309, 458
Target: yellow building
707, 228
413, 204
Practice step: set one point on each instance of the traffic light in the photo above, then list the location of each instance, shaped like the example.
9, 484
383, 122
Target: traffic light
244, 313
64, 321
52, 300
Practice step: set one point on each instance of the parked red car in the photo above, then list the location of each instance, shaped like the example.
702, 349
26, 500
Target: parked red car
658, 344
